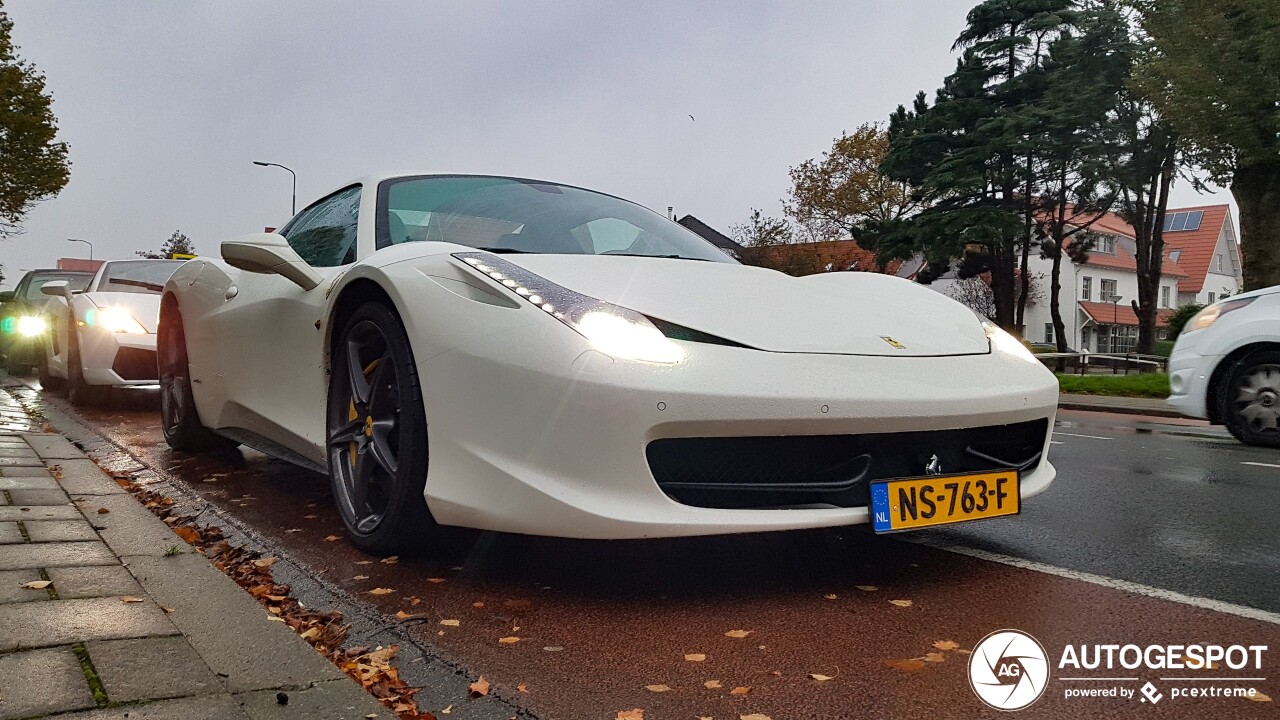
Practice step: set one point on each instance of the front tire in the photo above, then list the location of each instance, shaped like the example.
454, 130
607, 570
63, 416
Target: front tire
48, 382
179, 420
79, 392
1251, 400
376, 432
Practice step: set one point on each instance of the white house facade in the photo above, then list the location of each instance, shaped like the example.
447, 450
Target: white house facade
1201, 265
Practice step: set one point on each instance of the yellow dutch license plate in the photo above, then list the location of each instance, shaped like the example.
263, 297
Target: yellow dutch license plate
913, 503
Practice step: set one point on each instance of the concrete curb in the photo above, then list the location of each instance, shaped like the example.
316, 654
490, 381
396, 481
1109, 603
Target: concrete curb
1120, 409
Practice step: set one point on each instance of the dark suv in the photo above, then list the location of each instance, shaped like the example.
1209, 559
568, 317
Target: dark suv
23, 325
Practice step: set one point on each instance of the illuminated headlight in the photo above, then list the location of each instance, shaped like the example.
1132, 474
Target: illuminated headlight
114, 320
611, 329
31, 326
1006, 343
1208, 316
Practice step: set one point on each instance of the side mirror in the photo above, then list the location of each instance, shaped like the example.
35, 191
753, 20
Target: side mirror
270, 253
56, 288
6, 296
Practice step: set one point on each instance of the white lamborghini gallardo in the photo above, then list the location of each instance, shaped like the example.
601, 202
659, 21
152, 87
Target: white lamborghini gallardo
530, 357
104, 337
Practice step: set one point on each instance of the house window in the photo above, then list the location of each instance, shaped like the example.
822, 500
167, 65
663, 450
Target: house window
1164, 296
1084, 338
1211, 298
1086, 288
1117, 339
1108, 290
1105, 244
1217, 263
1048, 332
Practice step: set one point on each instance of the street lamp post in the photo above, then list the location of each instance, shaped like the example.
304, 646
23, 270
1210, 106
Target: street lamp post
86, 242
1115, 322
293, 207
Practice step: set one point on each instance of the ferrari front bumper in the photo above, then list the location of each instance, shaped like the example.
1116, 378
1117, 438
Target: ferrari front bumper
530, 434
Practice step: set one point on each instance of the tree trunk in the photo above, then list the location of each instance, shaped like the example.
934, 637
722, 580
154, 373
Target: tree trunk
1002, 288
1055, 293
1257, 191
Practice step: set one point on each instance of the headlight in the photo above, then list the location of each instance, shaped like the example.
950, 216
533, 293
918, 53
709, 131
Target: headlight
1006, 343
113, 320
611, 329
31, 326
1210, 315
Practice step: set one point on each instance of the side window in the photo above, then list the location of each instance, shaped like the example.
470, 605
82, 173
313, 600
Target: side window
325, 234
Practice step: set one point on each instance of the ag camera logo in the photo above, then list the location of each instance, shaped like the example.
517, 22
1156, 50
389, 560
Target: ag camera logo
1008, 670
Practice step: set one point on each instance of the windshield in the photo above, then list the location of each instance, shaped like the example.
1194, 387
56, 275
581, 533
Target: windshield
139, 276
508, 215
77, 282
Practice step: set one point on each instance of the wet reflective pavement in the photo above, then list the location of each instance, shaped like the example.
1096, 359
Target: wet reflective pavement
1172, 506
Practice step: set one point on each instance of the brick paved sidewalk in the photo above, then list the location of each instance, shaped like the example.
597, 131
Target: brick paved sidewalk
133, 623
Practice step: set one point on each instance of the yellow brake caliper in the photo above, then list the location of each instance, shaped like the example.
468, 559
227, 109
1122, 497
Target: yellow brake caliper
352, 414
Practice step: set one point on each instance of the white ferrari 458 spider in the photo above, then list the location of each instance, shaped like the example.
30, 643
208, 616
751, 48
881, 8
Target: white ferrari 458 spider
531, 357
104, 337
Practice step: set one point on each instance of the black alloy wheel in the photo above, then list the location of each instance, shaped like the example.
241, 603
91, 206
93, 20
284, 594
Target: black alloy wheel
377, 433
79, 392
179, 420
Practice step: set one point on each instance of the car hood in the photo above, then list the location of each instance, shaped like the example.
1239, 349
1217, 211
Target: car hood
144, 307
849, 313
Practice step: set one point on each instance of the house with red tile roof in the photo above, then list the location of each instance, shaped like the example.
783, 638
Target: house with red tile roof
1203, 241
1097, 295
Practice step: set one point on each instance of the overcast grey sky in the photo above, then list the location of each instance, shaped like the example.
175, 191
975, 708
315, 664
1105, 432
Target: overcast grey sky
165, 104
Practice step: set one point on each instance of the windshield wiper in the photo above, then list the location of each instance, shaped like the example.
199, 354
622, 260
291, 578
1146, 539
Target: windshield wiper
668, 257
137, 283
504, 250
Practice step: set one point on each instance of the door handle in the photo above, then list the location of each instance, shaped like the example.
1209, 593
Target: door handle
232, 292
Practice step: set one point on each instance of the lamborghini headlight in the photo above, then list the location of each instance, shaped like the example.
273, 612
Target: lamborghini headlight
1006, 343
1208, 316
31, 326
114, 320
613, 330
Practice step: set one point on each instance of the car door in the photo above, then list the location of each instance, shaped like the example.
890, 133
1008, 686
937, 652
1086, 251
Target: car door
272, 330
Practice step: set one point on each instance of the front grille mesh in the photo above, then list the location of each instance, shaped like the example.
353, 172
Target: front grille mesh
786, 471
136, 364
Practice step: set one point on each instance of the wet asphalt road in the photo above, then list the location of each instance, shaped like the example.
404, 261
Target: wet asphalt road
598, 621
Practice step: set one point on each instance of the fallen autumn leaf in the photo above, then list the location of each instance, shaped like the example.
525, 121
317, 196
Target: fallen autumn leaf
523, 687
754, 716
946, 644
737, 633
867, 588
821, 678
511, 640
911, 665
381, 591
130, 599
934, 657
695, 657
37, 584
658, 688
901, 603
479, 687
712, 684
740, 691
331, 538
451, 623
1259, 697
636, 714
830, 596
